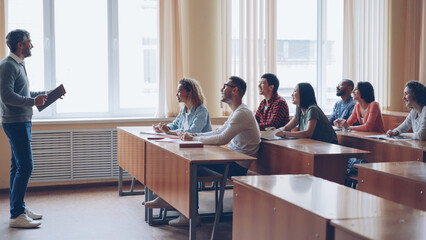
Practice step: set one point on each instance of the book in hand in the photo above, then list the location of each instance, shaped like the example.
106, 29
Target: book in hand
52, 97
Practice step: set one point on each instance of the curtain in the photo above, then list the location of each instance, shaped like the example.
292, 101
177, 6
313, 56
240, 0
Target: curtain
365, 45
2, 30
171, 69
412, 35
422, 63
256, 41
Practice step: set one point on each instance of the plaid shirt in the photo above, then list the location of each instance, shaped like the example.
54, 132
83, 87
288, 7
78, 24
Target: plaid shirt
275, 115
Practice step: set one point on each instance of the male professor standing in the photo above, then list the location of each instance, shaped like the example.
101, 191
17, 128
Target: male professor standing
16, 103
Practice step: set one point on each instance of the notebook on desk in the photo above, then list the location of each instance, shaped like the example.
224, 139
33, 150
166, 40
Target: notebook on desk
190, 144
384, 137
52, 97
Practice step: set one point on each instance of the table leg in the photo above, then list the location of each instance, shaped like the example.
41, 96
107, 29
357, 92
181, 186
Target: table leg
193, 203
120, 181
220, 204
148, 211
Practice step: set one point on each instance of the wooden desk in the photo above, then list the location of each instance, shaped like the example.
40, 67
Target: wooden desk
131, 151
389, 228
384, 150
305, 156
170, 171
301, 207
401, 182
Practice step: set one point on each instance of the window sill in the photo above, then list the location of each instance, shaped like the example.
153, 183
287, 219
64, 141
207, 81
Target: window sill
97, 120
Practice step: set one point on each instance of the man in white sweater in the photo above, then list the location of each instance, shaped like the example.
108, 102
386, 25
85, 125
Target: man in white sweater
241, 128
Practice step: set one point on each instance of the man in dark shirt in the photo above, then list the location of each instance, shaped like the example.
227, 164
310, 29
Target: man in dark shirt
273, 110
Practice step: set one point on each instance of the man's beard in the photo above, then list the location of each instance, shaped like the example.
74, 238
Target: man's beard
27, 53
341, 93
226, 99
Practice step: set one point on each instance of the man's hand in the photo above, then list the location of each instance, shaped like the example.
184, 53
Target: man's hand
40, 100
184, 136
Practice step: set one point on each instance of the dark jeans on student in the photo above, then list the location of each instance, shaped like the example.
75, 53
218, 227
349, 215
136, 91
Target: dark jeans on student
234, 169
19, 135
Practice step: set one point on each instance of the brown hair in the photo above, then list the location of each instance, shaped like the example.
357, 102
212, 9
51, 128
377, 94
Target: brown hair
193, 87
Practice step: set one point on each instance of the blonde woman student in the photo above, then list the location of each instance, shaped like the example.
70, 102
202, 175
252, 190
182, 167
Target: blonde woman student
194, 116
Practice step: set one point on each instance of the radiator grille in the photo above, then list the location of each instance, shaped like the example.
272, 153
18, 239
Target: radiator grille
66, 155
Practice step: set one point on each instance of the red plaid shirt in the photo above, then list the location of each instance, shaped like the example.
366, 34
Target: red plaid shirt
276, 115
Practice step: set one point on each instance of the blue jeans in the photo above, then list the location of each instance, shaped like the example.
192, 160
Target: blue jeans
19, 135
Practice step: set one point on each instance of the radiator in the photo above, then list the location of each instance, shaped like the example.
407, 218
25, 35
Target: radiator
69, 155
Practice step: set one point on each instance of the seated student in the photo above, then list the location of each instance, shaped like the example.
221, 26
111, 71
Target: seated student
414, 98
273, 110
366, 112
241, 130
194, 116
309, 117
343, 108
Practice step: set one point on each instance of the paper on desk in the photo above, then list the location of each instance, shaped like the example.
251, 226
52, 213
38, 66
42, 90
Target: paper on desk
168, 140
337, 128
152, 133
384, 137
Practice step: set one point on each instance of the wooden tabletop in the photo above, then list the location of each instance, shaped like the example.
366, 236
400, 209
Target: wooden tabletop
389, 227
205, 154
415, 171
324, 198
314, 147
416, 144
141, 132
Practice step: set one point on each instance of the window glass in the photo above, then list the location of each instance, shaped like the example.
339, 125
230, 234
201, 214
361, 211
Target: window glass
333, 53
81, 51
30, 18
105, 54
296, 45
138, 51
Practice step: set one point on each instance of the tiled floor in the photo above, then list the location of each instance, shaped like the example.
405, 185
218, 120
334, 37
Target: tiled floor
99, 213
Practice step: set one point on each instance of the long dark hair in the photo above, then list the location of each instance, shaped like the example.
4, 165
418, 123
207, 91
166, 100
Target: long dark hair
366, 90
307, 97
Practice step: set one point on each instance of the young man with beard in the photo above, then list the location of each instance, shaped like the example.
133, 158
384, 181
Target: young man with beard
343, 108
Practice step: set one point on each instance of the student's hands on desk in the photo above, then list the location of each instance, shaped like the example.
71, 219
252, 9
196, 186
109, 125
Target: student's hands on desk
161, 128
392, 133
341, 123
184, 136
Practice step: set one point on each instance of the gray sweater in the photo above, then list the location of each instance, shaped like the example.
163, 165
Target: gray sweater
16, 99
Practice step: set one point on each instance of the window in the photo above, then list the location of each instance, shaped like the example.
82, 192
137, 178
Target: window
309, 42
105, 54
309, 48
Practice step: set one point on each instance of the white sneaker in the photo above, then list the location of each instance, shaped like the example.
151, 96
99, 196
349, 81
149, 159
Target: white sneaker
158, 203
183, 221
33, 215
23, 221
